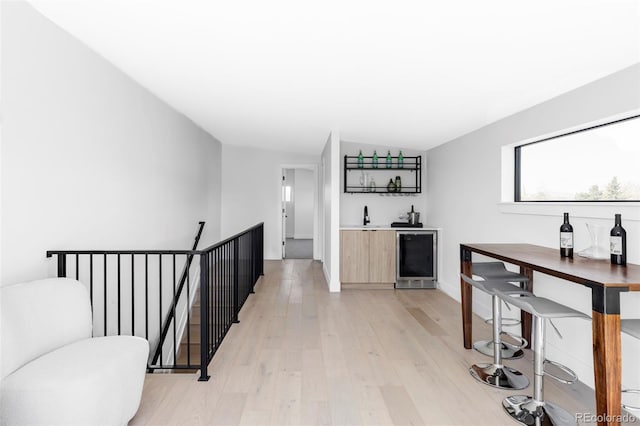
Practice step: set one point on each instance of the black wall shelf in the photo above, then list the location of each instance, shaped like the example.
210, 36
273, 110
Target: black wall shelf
410, 174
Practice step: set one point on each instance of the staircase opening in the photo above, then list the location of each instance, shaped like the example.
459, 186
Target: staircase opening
182, 301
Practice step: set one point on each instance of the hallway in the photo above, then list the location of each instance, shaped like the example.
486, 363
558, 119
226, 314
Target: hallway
299, 248
302, 355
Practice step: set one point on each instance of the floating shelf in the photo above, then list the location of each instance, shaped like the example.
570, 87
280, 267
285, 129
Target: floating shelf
411, 170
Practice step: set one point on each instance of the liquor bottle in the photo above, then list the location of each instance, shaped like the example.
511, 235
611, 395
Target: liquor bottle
400, 160
374, 162
391, 187
566, 238
388, 159
398, 184
360, 160
372, 185
618, 243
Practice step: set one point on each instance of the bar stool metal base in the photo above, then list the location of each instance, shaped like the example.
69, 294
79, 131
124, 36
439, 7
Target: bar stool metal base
509, 351
526, 411
501, 377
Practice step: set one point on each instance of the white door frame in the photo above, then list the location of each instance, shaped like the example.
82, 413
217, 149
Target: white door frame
314, 168
283, 221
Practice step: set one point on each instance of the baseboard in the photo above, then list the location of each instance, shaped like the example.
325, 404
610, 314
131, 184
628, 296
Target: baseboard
303, 236
327, 278
366, 286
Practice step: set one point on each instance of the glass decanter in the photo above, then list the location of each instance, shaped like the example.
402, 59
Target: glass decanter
599, 239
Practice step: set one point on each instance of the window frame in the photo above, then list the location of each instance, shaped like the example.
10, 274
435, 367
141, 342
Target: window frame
517, 162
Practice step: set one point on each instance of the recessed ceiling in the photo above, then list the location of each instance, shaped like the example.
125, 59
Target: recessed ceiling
282, 74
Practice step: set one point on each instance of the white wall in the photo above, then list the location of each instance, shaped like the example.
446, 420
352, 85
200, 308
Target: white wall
90, 159
464, 178
331, 210
383, 208
304, 194
252, 192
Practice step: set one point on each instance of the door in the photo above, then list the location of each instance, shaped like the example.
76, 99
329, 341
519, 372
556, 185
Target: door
284, 217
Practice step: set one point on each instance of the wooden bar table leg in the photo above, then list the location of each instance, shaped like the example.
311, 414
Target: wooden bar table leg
525, 317
607, 359
607, 367
466, 296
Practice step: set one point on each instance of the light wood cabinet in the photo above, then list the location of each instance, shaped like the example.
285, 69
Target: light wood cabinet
367, 256
354, 256
382, 256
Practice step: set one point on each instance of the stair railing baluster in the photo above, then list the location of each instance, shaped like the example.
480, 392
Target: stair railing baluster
119, 297
133, 297
204, 324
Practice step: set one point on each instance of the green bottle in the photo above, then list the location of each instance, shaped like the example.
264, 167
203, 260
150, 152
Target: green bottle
374, 162
360, 160
400, 160
388, 159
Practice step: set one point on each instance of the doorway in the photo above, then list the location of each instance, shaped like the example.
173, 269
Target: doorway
298, 213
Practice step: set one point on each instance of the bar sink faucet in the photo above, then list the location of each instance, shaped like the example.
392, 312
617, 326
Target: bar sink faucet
366, 216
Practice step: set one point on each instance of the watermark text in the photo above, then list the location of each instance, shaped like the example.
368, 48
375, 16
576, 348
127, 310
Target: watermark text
605, 418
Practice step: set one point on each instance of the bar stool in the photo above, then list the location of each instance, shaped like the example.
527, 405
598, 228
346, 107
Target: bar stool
632, 328
496, 271
535, 410
497, 374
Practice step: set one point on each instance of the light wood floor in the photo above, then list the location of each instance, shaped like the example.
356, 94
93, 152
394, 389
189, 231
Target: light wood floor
303, 356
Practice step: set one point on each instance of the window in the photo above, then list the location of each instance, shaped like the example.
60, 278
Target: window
286, 193
600, 163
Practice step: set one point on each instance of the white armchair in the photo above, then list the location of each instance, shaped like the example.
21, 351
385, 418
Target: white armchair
52, 372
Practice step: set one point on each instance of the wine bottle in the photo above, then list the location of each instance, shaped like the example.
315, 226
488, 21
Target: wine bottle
566, 238
360, 160
374, 162
400, 160
388, 159
391, 187
618, 242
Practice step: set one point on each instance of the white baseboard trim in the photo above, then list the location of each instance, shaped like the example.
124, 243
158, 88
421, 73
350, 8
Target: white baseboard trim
303, 236
327, 278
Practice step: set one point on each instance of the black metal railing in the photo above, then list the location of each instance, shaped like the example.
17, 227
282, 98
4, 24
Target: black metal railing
143, 293
171, 315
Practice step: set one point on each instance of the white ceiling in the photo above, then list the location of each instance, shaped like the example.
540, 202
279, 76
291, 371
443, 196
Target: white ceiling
282, 73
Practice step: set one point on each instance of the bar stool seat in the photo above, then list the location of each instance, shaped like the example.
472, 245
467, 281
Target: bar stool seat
496, 271
493, 286
632, 328
497, 374
534, 410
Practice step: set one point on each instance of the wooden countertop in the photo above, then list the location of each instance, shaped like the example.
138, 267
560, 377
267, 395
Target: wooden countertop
385, 228
577, 269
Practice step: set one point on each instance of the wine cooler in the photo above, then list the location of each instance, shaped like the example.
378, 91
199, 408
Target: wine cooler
416, 259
